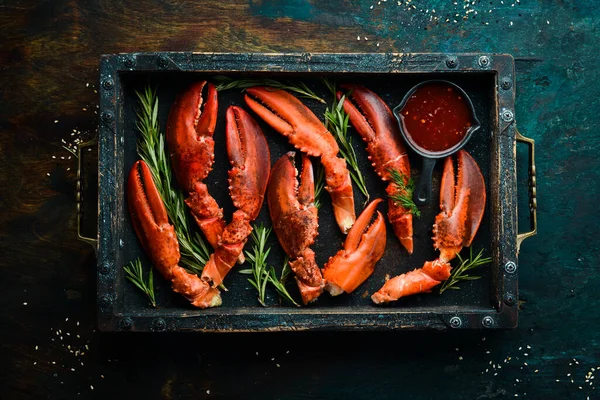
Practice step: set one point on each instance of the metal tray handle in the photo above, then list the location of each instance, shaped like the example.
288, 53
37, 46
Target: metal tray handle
79, 197
532, 191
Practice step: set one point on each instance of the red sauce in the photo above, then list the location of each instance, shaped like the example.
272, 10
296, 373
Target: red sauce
436, 117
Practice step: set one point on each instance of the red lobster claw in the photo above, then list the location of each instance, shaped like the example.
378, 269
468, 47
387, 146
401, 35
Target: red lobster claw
248, 177
288, 116
363, 247
462, 205
190, 130
295, 221
375, 123
158, 238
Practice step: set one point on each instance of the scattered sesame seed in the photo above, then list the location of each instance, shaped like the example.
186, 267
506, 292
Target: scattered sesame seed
56, 121
208, 392
278, 365
358, 38
91, 387
36, 348
460, 357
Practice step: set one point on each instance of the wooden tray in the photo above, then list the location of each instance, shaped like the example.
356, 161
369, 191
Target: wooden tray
489, 302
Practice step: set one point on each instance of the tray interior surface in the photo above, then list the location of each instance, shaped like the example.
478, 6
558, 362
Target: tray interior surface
241, 296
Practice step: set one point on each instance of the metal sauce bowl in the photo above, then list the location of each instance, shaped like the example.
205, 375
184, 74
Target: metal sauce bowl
422, 191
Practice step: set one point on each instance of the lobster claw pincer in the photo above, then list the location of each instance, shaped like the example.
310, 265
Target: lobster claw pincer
295, 221
462, 204
249, 157
159, 240
363, 247
190, 129
291, 118
375, 123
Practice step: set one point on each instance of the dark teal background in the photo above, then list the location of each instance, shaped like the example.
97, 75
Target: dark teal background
51, 50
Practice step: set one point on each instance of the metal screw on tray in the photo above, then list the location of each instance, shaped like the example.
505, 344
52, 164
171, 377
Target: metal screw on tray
162, 61
506, 84
488, 322
451, 62
104, 268
509, 299
126, 324
455, 322
107, 116
129, 62
104, 301
484, 61
510, 267
507, 116
160, 325
108, 84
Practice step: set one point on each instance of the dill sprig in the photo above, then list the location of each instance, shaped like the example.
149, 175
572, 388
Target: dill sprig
300, 88
404, 191
461, 272
135, 274
262, 273
337, 123
151, 148
319, 186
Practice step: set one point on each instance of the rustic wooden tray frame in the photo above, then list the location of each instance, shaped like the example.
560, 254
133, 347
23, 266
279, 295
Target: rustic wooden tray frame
111, 214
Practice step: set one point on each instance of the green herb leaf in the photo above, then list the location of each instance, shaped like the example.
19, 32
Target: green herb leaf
135, 274
262, 274
404, 193
319, 186
152, 149
337, 122
460, 272
300, 88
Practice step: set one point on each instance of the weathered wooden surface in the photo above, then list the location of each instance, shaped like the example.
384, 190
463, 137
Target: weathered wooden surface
49, 54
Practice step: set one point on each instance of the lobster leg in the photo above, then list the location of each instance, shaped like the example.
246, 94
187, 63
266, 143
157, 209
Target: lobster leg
158, 238
249, 156
190, 130
363, 247
375, 123
462, 205
295, 221
288, 116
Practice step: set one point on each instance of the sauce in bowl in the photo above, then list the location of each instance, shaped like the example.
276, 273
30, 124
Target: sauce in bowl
436, 117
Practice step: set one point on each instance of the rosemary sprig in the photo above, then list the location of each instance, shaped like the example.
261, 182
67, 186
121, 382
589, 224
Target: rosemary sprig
280, 283
461, 272
261, 272
319, 186
258, 261
404, 192
135, 274
337, 123
300, 88
151, 148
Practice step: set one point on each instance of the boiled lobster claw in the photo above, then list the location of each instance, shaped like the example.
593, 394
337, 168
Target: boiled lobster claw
250, 160
295, 221
375, 123
159, 240
363, 247
462, 204
190, 129
288, 116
